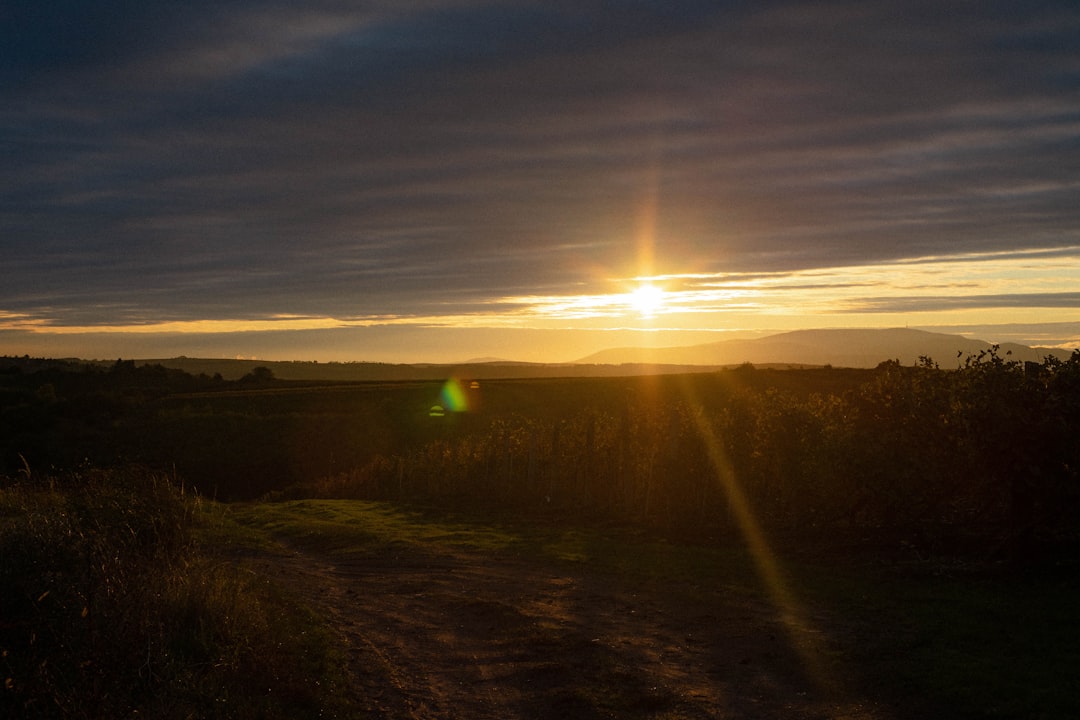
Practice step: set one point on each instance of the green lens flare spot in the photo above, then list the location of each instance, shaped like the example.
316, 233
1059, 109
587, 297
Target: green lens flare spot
453, 396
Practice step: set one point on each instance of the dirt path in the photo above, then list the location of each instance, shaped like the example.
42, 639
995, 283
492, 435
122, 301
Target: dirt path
466, 635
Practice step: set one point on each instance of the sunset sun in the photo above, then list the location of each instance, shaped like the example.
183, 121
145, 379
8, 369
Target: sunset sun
637, 183
647, 299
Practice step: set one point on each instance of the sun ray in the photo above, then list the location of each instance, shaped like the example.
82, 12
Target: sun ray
805, 638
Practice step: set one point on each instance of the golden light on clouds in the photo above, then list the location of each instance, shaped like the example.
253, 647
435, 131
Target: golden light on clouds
1006, 287
278, 322
998, 287
624, 149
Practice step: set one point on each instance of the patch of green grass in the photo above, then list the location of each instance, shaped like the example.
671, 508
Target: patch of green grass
216, 530
358, 527
353, 527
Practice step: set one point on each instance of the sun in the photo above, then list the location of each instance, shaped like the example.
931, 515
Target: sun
647, 299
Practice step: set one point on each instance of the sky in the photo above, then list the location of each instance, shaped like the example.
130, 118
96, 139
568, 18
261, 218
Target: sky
442, 180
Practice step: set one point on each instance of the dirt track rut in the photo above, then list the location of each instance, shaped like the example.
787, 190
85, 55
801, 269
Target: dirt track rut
463, 634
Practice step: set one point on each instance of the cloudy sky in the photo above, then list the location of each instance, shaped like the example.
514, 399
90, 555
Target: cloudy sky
436, 180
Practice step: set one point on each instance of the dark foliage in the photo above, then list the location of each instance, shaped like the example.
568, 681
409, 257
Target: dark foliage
982, 460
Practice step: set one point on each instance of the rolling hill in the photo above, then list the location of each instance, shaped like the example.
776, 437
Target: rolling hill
854, 348
838, 347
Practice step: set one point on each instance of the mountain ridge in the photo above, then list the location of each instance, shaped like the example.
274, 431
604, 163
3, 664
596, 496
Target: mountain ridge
841, 347
847, 348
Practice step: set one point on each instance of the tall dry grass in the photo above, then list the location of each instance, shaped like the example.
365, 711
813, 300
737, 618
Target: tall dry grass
109, 607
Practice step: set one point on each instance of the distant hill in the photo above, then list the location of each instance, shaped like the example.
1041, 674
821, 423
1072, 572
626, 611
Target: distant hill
355, 371
801, 348
857, 348
307, 371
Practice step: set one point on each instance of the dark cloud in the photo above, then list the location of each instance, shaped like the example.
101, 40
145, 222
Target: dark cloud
237, 159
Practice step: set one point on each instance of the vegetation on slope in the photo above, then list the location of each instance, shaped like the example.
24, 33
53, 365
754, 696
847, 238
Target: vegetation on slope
110, 606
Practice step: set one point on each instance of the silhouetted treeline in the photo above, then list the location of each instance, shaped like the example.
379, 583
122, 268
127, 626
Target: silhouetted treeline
60, 413
238, 439
231, 439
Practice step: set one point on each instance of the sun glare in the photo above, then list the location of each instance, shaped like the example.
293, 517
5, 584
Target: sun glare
647, 299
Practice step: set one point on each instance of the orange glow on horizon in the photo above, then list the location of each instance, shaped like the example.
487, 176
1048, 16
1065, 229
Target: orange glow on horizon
1022, 288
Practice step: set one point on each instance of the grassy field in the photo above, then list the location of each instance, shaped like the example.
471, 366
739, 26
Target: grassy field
880, 544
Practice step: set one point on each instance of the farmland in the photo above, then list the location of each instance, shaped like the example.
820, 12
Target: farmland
870, 542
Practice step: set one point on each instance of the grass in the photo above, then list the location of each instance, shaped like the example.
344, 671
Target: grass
348, 528
351, 528
113, 605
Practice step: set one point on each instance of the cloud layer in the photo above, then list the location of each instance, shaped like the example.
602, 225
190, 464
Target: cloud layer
394, 160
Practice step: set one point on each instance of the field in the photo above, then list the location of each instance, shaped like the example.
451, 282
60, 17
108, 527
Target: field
888, 543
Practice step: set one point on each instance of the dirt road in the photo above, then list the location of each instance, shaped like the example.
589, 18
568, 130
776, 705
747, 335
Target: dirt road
465, 634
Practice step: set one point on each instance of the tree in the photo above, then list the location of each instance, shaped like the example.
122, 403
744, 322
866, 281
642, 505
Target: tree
260, 375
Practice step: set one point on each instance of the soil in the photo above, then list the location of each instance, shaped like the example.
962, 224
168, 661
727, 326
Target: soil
465, 634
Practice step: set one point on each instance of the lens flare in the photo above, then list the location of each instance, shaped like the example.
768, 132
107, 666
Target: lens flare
806, 639
454, 398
